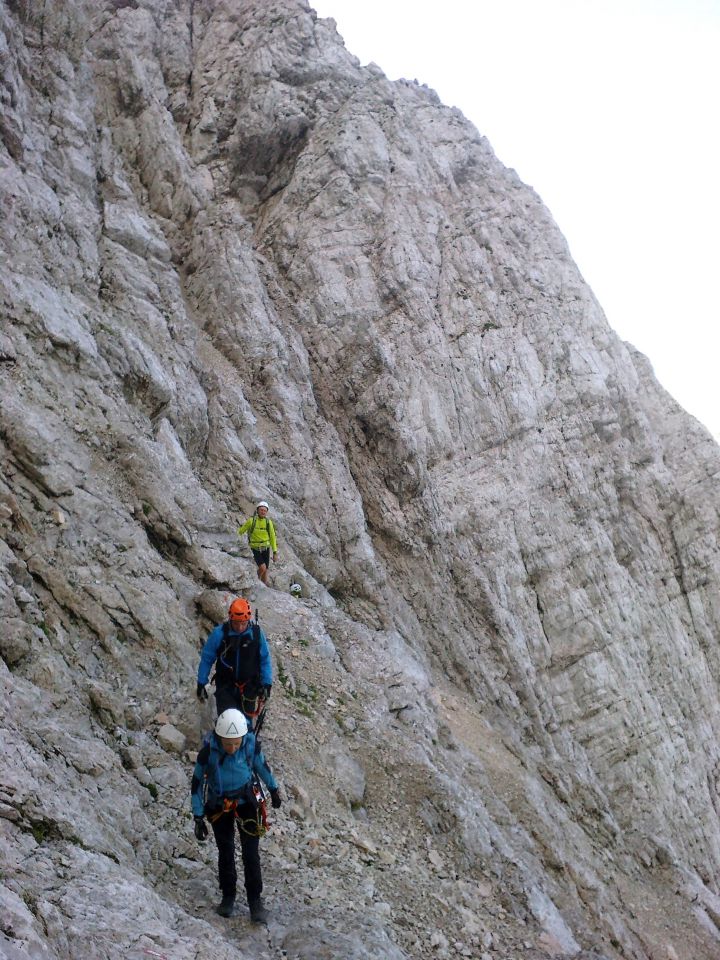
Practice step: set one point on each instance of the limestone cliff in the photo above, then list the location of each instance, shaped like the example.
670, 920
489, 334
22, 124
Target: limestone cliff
236, 264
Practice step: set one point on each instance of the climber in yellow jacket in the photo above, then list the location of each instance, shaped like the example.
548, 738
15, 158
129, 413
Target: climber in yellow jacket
260, 532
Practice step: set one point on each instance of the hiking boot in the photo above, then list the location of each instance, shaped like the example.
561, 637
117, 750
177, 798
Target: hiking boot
258, 913
226, 907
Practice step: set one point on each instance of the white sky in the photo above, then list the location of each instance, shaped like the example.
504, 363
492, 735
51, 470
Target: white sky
610, 110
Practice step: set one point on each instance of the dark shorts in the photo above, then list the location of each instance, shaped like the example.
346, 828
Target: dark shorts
262, 557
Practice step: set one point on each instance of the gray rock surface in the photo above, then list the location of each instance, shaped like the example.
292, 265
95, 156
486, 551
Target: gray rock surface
235, 265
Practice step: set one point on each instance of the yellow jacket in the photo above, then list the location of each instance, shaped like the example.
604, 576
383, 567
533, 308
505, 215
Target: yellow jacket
260, 532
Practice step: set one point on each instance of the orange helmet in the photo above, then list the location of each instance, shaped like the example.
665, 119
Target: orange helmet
240, 610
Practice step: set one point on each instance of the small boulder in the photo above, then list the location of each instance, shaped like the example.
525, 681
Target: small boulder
170, 738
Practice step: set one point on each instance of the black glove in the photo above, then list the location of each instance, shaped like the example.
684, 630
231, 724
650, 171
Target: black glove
275, 798
201, 692
201, 830
266, 691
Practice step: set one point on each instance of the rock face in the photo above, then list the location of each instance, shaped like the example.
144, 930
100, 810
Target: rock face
236, 264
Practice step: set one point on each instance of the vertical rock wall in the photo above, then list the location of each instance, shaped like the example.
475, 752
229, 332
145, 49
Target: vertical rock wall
235, 264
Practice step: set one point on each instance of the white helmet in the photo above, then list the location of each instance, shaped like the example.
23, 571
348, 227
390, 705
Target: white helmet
231, 724
263, 503
295, 589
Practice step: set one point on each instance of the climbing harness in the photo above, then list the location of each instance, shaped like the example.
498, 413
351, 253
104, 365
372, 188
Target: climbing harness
256, 826
251, 705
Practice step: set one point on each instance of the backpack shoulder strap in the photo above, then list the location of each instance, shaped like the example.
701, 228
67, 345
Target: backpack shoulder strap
223, 648
220, 754
256, 638
250, 753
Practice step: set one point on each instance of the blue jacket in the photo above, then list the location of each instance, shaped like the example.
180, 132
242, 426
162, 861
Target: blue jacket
228, 775
214, 645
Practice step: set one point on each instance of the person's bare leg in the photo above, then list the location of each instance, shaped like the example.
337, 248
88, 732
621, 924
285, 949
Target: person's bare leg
263, 573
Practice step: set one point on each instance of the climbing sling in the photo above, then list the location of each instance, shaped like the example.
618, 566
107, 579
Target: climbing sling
256, 826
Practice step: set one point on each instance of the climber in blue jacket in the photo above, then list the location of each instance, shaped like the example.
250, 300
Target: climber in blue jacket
222, 791
239, 651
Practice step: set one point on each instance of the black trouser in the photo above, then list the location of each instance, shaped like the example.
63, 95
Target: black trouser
224, 830
228, 697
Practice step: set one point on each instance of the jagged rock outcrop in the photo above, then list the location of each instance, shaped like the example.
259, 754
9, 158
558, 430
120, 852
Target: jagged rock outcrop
235, 263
